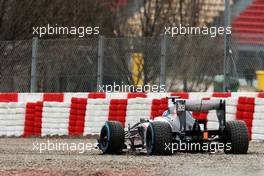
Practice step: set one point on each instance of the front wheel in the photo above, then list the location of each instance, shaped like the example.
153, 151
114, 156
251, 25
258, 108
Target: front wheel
112, 136
236, 137
159, 138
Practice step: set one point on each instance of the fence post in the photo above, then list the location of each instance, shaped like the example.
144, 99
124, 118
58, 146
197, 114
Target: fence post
100, 62
163, 60
33, 80
226, 40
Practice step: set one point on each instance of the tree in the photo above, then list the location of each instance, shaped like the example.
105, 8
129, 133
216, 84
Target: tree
17, 18
148, 20
153, 16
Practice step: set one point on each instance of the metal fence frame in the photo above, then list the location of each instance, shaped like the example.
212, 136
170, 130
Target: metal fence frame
100, 57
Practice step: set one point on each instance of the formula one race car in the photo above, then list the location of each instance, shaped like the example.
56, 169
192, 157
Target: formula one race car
176, 127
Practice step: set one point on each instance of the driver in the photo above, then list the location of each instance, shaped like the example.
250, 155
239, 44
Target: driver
171, 110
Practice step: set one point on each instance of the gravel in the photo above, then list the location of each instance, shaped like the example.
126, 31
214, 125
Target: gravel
21, 156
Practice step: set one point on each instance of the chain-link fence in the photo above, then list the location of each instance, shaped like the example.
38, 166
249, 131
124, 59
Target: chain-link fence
15, 66
66, 65
183, 63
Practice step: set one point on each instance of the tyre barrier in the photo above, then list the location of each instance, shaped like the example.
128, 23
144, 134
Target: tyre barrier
85, 114
66, 97
117, 110
251, 111
77, 116
96, 114
38, 119
12, 119
29, 129
55, 119
158, 107
137, 108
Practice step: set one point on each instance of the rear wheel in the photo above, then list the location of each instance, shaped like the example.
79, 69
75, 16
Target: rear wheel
236, 137
112, 136
158, 138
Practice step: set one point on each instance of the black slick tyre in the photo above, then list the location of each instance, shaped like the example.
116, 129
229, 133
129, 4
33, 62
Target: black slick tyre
158, 138
112, 136
236, 137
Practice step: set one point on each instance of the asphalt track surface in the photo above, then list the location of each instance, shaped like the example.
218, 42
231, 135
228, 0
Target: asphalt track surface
20, 156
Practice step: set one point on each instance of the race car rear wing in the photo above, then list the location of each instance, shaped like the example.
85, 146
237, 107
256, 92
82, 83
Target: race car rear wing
199, 106
204, 105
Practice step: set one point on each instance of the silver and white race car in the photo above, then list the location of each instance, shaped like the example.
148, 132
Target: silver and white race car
176, 125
